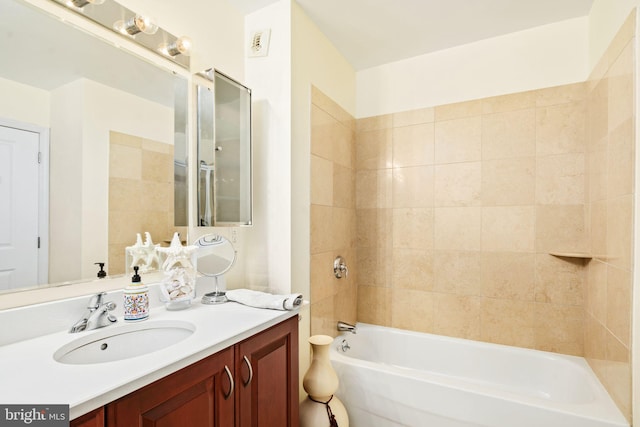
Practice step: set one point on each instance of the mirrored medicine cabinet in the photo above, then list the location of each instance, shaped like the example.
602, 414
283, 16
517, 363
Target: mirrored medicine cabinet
224, 186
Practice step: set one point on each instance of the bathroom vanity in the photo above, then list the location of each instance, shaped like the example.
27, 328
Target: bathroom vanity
254, 379
238, 364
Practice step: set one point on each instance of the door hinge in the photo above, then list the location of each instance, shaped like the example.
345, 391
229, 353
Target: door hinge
39, 157
38, 242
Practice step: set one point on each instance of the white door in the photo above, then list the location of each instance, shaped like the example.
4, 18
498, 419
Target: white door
19, 177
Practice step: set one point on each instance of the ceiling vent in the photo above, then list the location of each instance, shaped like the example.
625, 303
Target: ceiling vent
260, 43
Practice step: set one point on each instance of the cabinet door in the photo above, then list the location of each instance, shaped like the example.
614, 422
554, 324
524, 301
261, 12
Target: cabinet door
92, 419
267, 377
200, 395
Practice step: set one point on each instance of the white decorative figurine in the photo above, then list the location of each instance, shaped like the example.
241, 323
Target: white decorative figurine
142, 255
152, 251
178, 285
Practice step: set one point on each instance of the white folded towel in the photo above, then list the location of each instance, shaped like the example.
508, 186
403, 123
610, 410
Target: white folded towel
265, 300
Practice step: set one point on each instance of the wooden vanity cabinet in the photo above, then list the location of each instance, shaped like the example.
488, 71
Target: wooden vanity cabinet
267, 377
200, 395
94, 418
253, 383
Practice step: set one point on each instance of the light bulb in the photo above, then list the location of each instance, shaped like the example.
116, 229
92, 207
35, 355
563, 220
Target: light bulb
182, 46
145, 24
136, 25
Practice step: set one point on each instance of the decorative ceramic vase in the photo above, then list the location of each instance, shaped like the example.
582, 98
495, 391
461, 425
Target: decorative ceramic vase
321, 382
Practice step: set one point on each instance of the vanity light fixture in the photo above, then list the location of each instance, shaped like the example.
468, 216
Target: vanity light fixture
82, 3
138, 28
182, 46
135, 25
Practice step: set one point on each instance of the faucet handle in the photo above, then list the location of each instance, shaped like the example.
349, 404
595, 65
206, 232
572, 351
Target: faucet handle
96, 301
340, 267
110, 306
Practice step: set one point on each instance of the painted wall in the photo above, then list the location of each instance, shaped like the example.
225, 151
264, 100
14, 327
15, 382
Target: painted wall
269, 240
299, 56
80, 168
605, 19
549, 55
24, 103
545, 56
65, 177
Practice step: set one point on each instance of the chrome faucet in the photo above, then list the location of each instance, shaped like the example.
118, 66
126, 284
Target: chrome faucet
346, 327
98, 314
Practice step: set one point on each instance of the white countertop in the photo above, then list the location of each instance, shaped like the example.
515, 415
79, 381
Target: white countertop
30, 375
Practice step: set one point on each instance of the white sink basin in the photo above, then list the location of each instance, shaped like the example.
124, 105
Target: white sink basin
122, 342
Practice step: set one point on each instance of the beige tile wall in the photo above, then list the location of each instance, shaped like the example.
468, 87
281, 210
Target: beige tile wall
458, 206
140, 194
333, 214
610, 170
457, 209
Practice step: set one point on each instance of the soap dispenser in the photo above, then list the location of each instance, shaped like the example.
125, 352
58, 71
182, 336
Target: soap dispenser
136, 299
101, 274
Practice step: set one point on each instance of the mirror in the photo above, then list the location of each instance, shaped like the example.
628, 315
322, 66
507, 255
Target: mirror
216, 256
224, 151
109, 123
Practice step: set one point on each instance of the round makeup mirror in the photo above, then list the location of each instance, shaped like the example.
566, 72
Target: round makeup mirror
216, 255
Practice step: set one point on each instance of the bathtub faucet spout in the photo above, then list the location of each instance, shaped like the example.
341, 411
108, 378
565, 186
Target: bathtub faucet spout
346, 327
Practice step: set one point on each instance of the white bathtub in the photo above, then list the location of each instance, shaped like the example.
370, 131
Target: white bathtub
390, 377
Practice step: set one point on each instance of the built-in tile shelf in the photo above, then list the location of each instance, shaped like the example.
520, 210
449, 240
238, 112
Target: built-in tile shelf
580, 255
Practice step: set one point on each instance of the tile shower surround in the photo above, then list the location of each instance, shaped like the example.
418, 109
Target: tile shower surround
333, 214
140, 194
458, 206
610, 154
